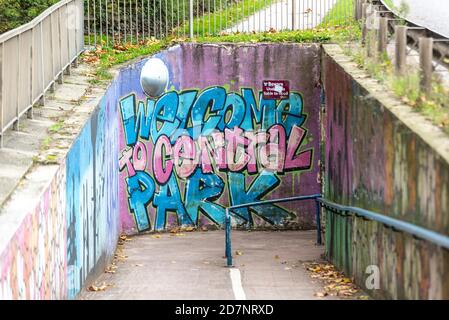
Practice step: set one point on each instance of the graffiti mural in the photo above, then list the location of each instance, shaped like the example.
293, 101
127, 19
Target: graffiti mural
33, 264
92, 195
213, 139
375, 160
73, 230
183, 149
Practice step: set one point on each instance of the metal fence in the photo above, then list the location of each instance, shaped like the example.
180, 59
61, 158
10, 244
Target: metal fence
109, 22
34, 56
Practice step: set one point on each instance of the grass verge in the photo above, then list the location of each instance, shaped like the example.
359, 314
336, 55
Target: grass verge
341, 14
434, 106
213, 23
103, 58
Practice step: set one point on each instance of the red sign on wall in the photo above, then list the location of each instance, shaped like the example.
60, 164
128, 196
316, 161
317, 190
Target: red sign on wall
275, 89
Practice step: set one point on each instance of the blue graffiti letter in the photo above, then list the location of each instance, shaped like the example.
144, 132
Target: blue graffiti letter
141, 191
201, 187
264, 183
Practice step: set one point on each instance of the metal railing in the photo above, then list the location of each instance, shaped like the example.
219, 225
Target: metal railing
109, 22
436, 238
34, 56
228, 250
380, 24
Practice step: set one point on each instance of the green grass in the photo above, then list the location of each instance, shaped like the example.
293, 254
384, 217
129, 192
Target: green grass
105, 58
214, 23
312, 35
341, 14
206, 25
433, 106
56, 127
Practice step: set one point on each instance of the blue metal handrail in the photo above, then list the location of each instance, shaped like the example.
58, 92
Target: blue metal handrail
407, 227
265, 202
398, 225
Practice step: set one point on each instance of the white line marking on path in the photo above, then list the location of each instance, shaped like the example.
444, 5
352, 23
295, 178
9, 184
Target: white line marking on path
237, 287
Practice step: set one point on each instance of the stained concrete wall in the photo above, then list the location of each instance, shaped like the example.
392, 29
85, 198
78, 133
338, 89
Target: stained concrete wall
216, 88
61, 225
382, 156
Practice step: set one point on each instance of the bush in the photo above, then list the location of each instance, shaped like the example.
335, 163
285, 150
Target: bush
14, 13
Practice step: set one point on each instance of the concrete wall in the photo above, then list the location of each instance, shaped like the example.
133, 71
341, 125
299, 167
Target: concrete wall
381, 156
62, 228
92, 207
215, 88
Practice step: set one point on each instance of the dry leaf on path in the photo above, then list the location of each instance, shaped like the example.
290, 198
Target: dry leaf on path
95, 288
320, 294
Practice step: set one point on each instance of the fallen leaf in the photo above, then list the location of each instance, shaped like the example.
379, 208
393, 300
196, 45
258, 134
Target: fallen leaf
189, 229
121, 257
156, 236
320, 294
238, 252
111, 269
95, 288
276, 257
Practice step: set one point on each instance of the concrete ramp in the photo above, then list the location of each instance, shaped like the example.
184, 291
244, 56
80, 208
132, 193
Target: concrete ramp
190, 265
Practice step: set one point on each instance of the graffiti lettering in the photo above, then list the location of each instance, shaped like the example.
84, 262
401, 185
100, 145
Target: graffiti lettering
201, 141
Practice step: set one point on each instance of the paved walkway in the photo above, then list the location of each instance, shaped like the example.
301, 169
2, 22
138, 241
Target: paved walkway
190, 265
278, 16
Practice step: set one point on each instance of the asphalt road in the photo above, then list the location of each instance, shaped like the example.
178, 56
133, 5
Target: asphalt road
432, 14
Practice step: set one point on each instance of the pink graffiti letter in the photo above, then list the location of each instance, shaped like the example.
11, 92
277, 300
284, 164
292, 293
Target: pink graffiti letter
236, 156
272, 156
160, 173
304, 159
125, 160
140, 156
184, 154
255, 140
